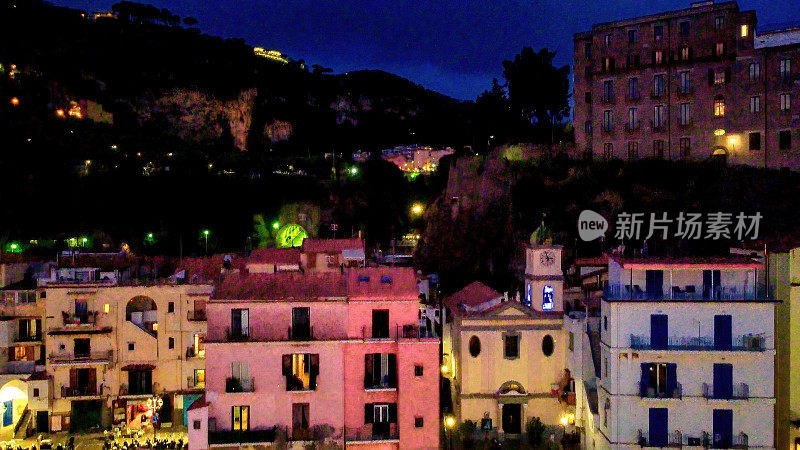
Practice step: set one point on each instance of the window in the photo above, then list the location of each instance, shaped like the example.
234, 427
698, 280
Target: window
658, 149
386, 279
171, 307
196, 424
380, 323
35, 392
106, 308
658, 32
330, 260
755, 72
571, 341
745, 30
684, 82
240, 324
363, 278
474, 346
686, 53
633, 150
605, 364
301, 370
658, 85
608, 91
199, 345
380, 415
631, 36
785, 140
633, 119
588, 71
719, 76
607, 120
587, 97
22, 353
719, 49
380, 371
719, 106
755, 141
548, 345
418, 370
43, 294
608, 150
605, 323
658, 380
786, 69
171, 343
510, 346
607, 39
140, 382
658, 57
684, 28
588, 127
608, 64
684, 114
659, 116
587, 49
301, 323
786, 102
199, 378
719, 21
755, 104
418, 422
633, 88
685, 147
240, 380
241, 418
131, 346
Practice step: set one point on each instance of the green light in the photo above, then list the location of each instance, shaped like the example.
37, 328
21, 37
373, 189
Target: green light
354, 170
84, 240
206, 232
14, 246
276, 225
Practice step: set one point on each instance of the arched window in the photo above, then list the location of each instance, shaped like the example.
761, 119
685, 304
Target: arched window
719, 106
548, 345
474, 346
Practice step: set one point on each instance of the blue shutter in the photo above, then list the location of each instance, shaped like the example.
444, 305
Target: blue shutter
644, 383
672, 379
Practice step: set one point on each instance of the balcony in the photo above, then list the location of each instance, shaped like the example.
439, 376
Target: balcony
240, 385
608, 99
29, 338
196, 315
20, 367
301, 333
78, 391
631, 127
687, 293
656, 94
741, 440
239, 335
647, 391
70, 319
240, 437
192, 352
674, 439
685, 91
658, 127
633, 97
748, 343
373, 432
739, 391
685, 124
607, 128
102, 357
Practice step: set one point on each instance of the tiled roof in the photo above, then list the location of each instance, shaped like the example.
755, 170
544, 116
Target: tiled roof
472, 295
38, 376
382, 282
275, 256
199, 403
208, 267
331, 245
281, 286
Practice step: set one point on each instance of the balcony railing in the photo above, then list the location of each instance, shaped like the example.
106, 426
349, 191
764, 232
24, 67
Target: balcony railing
90, 357
632, 126
373, 432
658, 94
685, 91
607, 128
740, 440
674, 439
658, 127
633, 97
20, 367
608, 99
706, 343
28, 338
192, 383
301, 333
196, 315
192, 352
78, 391
240, 384
71, 319
739, 391
685, 124
646, 391
239, 335
688, 293
238, 437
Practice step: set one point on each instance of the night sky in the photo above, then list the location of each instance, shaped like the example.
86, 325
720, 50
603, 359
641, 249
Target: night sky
452, 46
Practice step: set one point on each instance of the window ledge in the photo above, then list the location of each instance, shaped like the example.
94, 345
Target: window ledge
380, 389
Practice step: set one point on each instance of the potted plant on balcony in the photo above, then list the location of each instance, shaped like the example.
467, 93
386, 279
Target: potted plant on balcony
233, 385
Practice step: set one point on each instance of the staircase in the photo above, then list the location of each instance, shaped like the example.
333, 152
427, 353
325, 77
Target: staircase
594, 345
22, 426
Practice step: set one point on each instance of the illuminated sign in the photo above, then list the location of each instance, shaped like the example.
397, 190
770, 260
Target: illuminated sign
547, 297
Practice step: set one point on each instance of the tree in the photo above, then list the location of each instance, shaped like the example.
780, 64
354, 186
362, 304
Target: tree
492, 114
191, 21
538, 91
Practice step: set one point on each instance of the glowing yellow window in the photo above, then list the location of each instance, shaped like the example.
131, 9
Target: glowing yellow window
719, 107
106, 308
745, 30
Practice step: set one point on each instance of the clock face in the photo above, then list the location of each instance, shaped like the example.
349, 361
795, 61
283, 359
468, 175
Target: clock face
290, 235
547, 258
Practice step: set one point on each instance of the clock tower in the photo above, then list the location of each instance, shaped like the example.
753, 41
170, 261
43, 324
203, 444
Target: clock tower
544, 279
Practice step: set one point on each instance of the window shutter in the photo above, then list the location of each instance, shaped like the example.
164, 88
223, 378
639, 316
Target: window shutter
645, 380
636, 60
392, 412
11, 354
287, 365
672, 378
29, 353
93, 380
710, 77
368, 371
727, 74
73, 377
392, 370
369, 413
314, 371
653, 57
691, 54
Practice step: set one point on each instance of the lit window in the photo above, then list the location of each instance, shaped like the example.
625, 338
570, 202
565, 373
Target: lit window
241, 418
547, 296
719, 76
719, 106
786, 102
745, 30
719, 49
106, 308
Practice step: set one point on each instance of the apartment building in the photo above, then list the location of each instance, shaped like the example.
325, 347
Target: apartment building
687, 354
687, 85
335, 356
111, 347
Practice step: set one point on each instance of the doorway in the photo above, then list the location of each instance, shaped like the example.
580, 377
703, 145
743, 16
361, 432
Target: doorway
512, 418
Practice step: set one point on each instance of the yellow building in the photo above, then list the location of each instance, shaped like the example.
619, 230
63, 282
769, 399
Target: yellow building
505, 359
784, 272
110, 348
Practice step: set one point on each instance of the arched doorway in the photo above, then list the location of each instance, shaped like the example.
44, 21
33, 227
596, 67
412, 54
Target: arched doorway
13, 401
143, 312
511, 397
720, 155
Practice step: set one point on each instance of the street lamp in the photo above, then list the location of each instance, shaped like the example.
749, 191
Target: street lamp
155, 403
417, 209
205, 234
449, 422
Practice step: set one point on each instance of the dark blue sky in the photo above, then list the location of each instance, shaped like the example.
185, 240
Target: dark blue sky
452, 46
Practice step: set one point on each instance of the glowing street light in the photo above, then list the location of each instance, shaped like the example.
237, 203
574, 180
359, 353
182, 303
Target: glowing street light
354, 170
417, 209
14, 101
449, 421
205, 234
276, 225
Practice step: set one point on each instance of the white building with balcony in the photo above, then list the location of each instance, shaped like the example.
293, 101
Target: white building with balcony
686, 354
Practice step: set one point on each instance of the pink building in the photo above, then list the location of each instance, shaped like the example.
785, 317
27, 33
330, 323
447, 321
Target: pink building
321, 357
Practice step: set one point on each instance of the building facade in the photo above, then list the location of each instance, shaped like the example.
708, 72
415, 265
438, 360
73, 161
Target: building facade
687, 85
687, 351
337, 355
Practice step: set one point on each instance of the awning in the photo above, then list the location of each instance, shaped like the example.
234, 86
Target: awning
354, 254
138, 367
